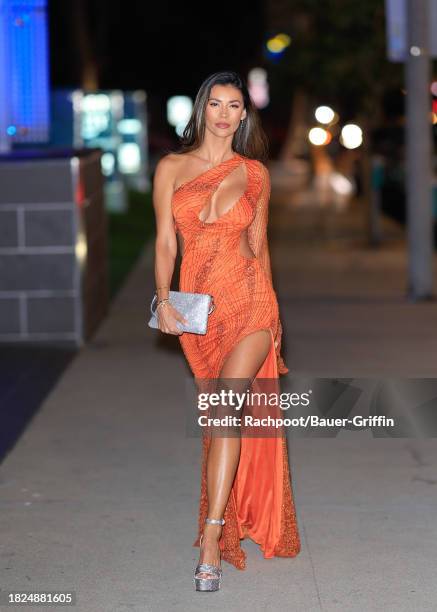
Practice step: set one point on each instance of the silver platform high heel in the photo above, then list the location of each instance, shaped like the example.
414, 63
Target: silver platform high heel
212, 583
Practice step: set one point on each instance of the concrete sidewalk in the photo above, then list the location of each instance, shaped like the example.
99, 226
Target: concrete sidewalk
100, 494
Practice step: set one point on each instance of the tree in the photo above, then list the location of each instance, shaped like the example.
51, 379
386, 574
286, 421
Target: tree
337, 56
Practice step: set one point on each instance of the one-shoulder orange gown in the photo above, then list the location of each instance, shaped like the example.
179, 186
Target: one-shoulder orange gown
260, 505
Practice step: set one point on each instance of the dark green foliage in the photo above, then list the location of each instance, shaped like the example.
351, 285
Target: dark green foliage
128, 234
338, 51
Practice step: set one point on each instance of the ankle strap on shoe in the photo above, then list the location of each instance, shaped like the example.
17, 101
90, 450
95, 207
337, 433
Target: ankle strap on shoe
215, 521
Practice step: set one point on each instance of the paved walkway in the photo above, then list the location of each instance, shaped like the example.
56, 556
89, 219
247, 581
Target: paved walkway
100, 493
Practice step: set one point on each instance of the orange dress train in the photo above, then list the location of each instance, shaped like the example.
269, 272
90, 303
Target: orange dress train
260, 505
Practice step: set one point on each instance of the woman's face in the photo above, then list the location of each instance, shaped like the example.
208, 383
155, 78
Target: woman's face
224, 110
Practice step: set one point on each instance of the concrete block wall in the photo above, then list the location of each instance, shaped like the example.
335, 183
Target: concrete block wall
53, 248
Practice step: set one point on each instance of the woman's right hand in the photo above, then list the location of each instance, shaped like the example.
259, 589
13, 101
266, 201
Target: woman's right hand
167, 318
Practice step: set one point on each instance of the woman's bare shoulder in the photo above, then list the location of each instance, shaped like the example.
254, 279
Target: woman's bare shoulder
168, 166
167, 162
171, 165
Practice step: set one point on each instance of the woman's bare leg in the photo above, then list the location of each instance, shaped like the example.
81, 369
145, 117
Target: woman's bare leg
243, 362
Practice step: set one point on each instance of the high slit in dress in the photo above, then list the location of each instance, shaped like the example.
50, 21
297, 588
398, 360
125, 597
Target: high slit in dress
261, 504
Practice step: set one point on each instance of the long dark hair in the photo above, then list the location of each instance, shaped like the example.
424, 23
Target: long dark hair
249, 140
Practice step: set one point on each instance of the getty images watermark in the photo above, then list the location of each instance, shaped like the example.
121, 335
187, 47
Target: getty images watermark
319, 407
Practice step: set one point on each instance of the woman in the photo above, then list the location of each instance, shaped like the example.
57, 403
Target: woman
213, 194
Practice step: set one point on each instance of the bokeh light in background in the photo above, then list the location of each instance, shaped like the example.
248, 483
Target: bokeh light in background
319, 136
258, 87
277, 44
179, 110
96, 114
129, 153
351, 136
342, 185
324, 114
96, 119
129, 158
108, 163
129, 126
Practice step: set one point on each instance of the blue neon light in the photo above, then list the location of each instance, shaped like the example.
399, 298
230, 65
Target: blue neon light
24, 71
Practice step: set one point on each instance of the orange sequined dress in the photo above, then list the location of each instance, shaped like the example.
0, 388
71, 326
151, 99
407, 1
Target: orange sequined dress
260, 505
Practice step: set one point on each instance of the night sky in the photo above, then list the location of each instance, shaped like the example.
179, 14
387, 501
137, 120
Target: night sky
165, 48
162, 46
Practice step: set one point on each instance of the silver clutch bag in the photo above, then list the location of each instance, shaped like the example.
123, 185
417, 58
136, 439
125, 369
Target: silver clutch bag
195, 307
